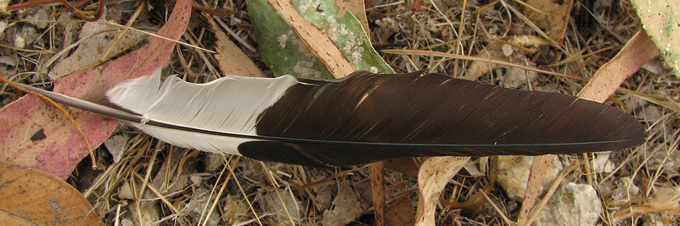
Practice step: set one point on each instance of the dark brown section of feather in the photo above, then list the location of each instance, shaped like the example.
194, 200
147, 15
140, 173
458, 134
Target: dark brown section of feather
432, 109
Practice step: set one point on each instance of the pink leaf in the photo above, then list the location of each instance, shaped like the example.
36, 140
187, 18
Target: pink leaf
62, 147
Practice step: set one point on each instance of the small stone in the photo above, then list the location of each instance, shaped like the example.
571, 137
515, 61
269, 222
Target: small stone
39, 18
199, 204
507, 50
213, 162
513, 174
572, 204
602, 164
125, 192
625, 189
116, 145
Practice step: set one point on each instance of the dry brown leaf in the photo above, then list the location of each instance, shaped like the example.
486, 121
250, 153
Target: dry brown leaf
32, 197
434, 175
96, 39
318, 42
401, 213
552, 16
280, 203
347, 207
230, 58
514, 77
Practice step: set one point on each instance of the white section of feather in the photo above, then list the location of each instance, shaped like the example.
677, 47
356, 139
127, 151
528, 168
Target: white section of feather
138, 94
230, 104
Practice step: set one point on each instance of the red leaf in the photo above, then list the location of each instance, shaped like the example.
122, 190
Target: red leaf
63, 147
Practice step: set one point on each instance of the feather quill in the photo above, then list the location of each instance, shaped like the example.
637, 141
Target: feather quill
366, 117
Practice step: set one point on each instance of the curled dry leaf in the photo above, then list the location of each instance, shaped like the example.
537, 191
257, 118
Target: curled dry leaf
32, 197
401, 213
63, 147
434, 175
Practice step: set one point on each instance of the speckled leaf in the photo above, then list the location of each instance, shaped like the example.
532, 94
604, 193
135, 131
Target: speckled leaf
661, 20
32, 197
284, 52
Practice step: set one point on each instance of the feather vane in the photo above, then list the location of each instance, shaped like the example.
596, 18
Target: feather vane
367, 117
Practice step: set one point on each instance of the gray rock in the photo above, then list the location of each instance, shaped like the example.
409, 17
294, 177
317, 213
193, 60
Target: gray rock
572, 204
199, 205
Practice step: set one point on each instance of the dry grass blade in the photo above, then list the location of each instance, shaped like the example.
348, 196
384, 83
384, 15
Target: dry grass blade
161, 37
26, 50
222, 189
85, 15
273, 180
498, 210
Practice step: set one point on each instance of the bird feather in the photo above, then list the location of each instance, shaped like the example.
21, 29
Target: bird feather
367, 117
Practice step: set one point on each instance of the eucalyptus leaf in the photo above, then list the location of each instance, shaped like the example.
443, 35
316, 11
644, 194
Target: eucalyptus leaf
284, 52
661, 21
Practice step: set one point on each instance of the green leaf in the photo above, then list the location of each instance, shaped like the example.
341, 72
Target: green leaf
661, 21
284, 52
